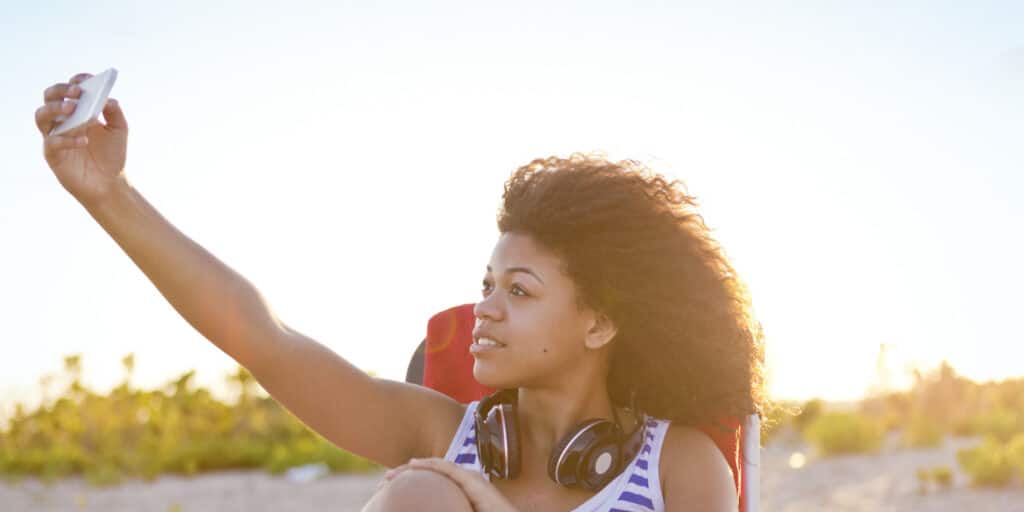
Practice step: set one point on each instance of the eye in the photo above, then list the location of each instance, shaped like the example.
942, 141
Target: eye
516, 290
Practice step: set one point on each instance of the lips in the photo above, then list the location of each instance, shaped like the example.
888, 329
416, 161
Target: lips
483, 337
483, 342
488, 342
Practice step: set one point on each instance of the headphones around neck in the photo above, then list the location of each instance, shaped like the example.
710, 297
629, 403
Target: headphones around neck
590, 456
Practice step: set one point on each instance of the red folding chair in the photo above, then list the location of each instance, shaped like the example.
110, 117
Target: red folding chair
442, 362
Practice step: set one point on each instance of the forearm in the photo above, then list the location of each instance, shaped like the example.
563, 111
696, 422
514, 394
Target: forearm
217, 301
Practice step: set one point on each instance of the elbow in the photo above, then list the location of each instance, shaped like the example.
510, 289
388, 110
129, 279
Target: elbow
255, 337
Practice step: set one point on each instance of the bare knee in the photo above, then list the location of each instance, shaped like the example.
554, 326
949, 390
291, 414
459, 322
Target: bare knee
421, 490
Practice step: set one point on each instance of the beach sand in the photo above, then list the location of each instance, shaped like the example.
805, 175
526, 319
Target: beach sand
882, 482
249, 491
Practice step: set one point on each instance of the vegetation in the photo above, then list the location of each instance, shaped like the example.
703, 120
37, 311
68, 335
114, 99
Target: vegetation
783, 415
1015, 453
179, 429
922, 433
987, 464
834, 433
176, 429
941, 475
942, 401
939, 404
809, 412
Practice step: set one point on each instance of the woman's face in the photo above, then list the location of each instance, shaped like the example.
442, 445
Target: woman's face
528, 306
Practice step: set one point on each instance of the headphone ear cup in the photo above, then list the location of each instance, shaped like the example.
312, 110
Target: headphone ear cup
483, 446
512, 455
558, 470
497, 436
574, 458
600, 466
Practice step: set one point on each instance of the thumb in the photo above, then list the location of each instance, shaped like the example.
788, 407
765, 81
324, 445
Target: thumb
114, 116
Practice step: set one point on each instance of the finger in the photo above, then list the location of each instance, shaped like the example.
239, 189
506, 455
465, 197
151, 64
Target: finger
56, 92
114, 116
79, 78
66, 90
55, 143
393, 472
468, 480
49, 114
435, 462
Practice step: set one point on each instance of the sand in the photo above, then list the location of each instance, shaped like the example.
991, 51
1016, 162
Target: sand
249, 491
883, 482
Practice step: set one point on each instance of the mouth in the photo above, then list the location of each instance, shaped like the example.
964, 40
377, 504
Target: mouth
483, 346
484, 341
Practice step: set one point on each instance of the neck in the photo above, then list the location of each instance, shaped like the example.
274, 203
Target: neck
547, 415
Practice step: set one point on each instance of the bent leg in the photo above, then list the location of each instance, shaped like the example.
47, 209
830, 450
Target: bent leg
421, 490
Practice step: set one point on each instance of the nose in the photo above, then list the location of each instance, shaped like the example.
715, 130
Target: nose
488, 309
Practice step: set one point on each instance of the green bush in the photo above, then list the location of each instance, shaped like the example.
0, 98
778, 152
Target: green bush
144, 433
836, 433
943, 476
987, 464
809, 412
922, 433
1001, 424
1015, 453
956, 404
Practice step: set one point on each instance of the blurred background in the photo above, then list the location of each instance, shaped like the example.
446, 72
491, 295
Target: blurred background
861, 165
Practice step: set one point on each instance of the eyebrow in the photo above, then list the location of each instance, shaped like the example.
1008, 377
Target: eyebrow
524, 270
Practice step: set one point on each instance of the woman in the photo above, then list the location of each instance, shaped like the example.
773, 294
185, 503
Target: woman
604, 298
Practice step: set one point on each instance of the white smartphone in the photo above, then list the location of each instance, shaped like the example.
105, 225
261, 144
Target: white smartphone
91, 102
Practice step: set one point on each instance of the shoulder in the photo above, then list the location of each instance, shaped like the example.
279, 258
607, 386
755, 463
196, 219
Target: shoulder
694, 473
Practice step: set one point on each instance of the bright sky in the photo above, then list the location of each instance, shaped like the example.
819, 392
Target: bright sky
861, 165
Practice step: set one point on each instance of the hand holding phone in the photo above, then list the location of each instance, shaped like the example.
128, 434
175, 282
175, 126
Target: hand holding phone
90, 103
86, 156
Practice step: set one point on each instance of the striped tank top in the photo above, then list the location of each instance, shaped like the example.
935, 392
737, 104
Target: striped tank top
636, 489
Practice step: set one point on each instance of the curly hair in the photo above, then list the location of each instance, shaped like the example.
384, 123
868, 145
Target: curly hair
688, 347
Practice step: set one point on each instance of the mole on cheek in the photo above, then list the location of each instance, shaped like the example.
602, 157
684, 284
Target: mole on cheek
545, 351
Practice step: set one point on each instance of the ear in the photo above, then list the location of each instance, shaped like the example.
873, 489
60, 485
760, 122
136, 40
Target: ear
601, 332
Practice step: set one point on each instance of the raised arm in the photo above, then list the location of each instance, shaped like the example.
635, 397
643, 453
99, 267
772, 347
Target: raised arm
383, 420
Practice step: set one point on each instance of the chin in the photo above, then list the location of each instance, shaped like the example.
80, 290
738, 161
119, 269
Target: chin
487, 375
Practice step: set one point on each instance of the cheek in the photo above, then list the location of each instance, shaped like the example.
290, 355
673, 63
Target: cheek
540, 339
552, 336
